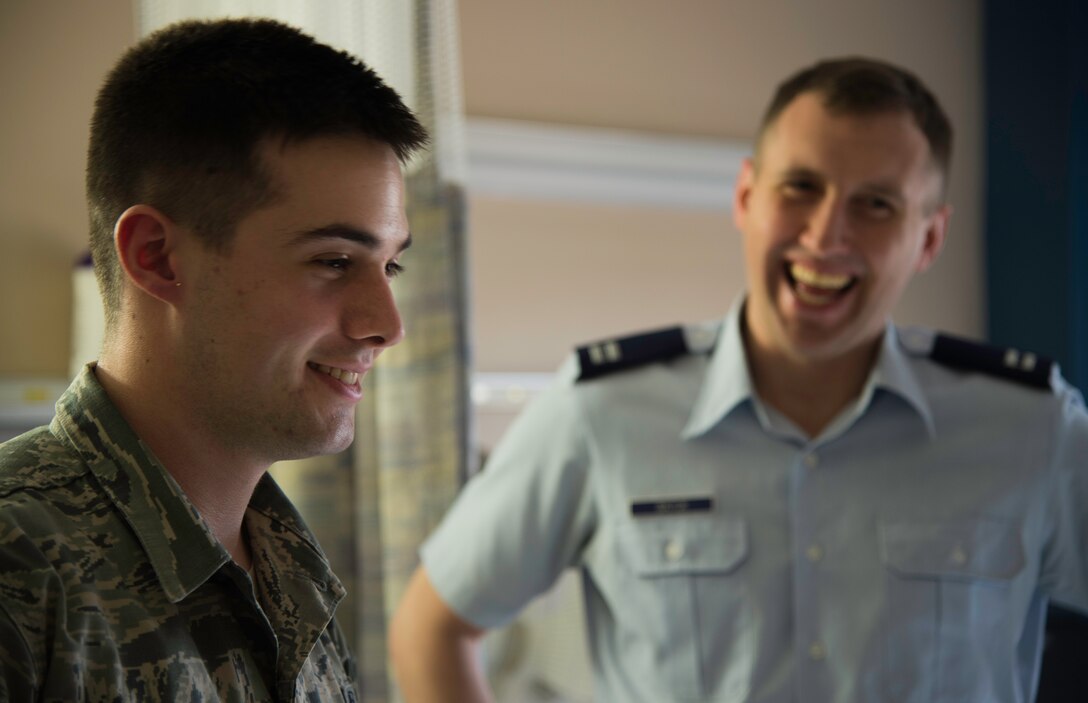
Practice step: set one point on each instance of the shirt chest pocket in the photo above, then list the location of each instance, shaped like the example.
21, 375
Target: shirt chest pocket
667, 546
949, 599
685, 592
970, 550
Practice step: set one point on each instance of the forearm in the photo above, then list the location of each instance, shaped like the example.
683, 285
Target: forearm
434, 653
436, 670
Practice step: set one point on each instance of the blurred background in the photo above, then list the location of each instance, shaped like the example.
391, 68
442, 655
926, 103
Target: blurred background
599, 141
545, 274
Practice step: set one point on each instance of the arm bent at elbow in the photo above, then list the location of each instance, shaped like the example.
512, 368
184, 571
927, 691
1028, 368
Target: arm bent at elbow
433, 650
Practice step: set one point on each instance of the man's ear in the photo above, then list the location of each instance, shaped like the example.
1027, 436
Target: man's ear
936, 229
146, 242
742, 192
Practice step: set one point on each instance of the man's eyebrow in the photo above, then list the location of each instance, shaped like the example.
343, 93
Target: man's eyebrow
346, 232
799, 172
886, 190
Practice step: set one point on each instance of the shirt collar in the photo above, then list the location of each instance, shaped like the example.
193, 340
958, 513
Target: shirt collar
277, 529
181, 547
894, 374
299, 592
728, 384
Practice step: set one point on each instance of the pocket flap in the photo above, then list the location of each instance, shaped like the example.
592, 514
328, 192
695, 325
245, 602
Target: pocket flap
673, 545
985, 548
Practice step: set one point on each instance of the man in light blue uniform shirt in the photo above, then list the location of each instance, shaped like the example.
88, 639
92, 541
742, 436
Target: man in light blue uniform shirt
801, 502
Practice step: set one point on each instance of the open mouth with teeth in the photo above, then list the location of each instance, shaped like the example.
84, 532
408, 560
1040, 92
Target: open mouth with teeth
815, 288
348, 378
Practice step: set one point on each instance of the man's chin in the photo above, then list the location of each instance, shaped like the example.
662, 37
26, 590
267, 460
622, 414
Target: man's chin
340, 440
318, 441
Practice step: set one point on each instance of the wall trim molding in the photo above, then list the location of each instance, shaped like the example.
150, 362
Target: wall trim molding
542, 161
508, 389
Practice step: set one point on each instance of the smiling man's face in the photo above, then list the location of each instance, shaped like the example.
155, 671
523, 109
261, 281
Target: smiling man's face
837, 214
279, 331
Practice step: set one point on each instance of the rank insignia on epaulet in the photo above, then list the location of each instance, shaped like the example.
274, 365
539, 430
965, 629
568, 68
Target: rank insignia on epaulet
601, 358
1006, 362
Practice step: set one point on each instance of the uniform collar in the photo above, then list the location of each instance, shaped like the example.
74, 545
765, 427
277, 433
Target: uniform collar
181, 547
728, 383
278, 531
299, 592
894, 374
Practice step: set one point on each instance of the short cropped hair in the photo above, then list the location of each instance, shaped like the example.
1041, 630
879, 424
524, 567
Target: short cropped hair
179, 121
862, 86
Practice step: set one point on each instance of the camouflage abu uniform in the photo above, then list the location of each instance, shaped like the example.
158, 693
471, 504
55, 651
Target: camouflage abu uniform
112, 588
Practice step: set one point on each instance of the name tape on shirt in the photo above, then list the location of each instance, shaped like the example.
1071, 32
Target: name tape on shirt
671, 506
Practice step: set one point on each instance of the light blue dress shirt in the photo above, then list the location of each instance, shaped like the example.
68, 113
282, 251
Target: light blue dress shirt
905, 555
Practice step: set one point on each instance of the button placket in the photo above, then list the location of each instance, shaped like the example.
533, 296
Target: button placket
810, 477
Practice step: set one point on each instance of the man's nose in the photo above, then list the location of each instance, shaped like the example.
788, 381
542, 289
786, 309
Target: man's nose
371, 315
827, 227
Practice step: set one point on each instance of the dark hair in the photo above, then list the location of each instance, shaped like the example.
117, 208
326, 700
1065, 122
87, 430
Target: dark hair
178, 123
861, 86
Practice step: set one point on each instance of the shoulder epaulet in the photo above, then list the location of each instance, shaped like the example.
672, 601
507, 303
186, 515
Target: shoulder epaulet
608, 356
1005, 362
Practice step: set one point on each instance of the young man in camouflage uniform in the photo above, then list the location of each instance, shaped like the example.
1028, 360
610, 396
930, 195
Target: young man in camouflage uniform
247, 216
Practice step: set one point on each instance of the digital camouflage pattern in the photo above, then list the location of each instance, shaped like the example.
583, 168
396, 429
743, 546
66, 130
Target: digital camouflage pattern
112, 587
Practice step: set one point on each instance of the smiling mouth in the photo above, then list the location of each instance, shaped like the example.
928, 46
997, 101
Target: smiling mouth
813, 287
348, 378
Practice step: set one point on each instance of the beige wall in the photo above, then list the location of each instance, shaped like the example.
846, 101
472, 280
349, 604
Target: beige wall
53, 55
549, 275
545, 276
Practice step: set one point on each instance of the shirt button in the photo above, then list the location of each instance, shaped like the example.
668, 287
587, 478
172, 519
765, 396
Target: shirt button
674, 550
814, 552
959, 556
816, 651
811, 461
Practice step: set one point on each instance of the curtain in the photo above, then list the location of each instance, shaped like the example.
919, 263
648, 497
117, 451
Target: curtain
372, 505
